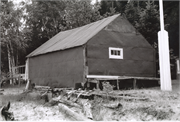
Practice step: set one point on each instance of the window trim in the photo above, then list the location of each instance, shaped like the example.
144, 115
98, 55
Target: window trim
116, 56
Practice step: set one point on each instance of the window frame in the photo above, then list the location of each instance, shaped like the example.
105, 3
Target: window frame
111, 56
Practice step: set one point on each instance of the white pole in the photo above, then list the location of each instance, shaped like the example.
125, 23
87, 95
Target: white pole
164, 60
161, 14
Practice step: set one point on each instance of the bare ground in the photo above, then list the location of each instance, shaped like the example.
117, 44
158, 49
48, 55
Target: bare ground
159, 105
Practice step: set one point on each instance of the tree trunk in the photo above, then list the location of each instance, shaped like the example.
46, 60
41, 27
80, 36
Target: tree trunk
9, 62
12, 61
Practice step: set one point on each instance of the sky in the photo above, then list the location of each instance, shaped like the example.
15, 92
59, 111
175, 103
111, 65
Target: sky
18, 1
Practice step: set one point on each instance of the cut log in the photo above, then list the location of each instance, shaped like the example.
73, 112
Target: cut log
71, 114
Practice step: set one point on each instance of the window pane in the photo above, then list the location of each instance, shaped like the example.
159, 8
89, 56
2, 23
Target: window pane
111, 52
116, 53
119, 53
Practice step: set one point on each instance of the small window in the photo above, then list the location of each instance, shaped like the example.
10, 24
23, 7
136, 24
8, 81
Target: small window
115, 53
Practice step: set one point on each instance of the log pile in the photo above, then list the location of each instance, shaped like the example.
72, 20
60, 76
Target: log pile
81, 99
71, 98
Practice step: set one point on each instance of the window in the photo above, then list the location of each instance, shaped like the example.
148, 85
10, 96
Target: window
115, 53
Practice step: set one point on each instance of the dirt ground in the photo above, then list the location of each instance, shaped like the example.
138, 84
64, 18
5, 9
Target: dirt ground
29, 107
159, 105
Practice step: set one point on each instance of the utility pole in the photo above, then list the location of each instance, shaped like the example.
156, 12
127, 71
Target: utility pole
164, 60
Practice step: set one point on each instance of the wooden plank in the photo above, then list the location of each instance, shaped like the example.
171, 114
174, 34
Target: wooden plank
140, 78
106, 77
102, 76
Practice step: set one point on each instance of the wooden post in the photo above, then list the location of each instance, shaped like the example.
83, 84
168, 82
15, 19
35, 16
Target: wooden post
178, 69
117, 84
28, 84
134, 84
97, 84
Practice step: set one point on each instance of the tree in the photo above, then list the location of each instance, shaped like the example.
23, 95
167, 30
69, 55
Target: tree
12, 41
171, 10
144, 16
109, 8
81, 12
44, 19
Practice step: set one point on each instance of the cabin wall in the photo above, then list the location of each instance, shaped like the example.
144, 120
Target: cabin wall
138, 55
57, 69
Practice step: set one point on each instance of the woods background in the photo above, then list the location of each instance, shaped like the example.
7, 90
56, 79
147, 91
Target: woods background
27, 25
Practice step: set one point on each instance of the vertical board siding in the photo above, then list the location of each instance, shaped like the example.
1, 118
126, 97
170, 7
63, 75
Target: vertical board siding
58, 69
138, 57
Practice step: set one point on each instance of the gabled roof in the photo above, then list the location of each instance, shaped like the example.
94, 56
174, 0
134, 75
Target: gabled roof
73, 38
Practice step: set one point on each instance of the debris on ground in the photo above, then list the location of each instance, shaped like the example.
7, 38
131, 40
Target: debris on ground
44, 103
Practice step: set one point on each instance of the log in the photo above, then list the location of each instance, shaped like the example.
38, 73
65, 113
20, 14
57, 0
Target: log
69, 103
71, 114
66, 102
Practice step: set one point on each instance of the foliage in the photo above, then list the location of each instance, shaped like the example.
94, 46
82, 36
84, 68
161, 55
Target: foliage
47, 18
25, 28
144, 16
81, 12
12, 41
